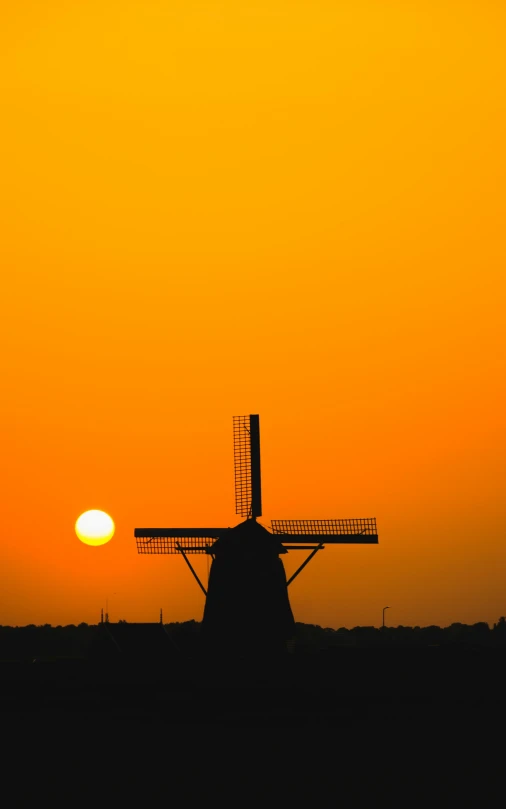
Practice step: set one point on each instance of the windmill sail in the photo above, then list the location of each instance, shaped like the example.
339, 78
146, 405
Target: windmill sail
248, 495
332, 532
174, 540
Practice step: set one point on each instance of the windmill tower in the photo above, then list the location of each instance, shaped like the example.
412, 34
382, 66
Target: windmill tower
247, 605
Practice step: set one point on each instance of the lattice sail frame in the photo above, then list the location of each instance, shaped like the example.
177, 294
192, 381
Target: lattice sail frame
176, 540
248, 498
173, 545
365, 527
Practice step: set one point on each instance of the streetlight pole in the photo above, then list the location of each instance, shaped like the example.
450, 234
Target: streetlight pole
384, 608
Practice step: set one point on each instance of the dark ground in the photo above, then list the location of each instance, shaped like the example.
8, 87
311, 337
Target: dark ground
348, 726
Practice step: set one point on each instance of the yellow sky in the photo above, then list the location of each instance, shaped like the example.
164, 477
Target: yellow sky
287, 208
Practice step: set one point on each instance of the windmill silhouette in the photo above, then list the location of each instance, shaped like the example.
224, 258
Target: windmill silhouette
247, 604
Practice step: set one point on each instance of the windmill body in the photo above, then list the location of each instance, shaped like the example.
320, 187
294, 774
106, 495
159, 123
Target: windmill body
247, 605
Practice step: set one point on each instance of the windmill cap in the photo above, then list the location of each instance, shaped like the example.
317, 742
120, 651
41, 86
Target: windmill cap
248, 537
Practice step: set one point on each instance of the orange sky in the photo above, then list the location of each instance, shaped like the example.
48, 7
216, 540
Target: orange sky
288, 208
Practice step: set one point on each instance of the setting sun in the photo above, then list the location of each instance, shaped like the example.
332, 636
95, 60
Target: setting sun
94, 527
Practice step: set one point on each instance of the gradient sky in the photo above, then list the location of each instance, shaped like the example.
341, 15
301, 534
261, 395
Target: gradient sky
289, 208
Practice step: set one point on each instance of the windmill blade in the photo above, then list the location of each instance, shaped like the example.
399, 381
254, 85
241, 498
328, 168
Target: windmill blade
175, 540
248, 495
360, 531
256, 489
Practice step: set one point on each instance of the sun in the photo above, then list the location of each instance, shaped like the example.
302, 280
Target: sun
95, 527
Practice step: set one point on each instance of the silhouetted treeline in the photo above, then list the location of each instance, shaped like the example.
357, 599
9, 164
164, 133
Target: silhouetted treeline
48, 642
311, 637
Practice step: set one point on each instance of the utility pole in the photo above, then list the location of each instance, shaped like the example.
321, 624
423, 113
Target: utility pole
384, 608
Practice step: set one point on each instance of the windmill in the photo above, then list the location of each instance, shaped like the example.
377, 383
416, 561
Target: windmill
247, 604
